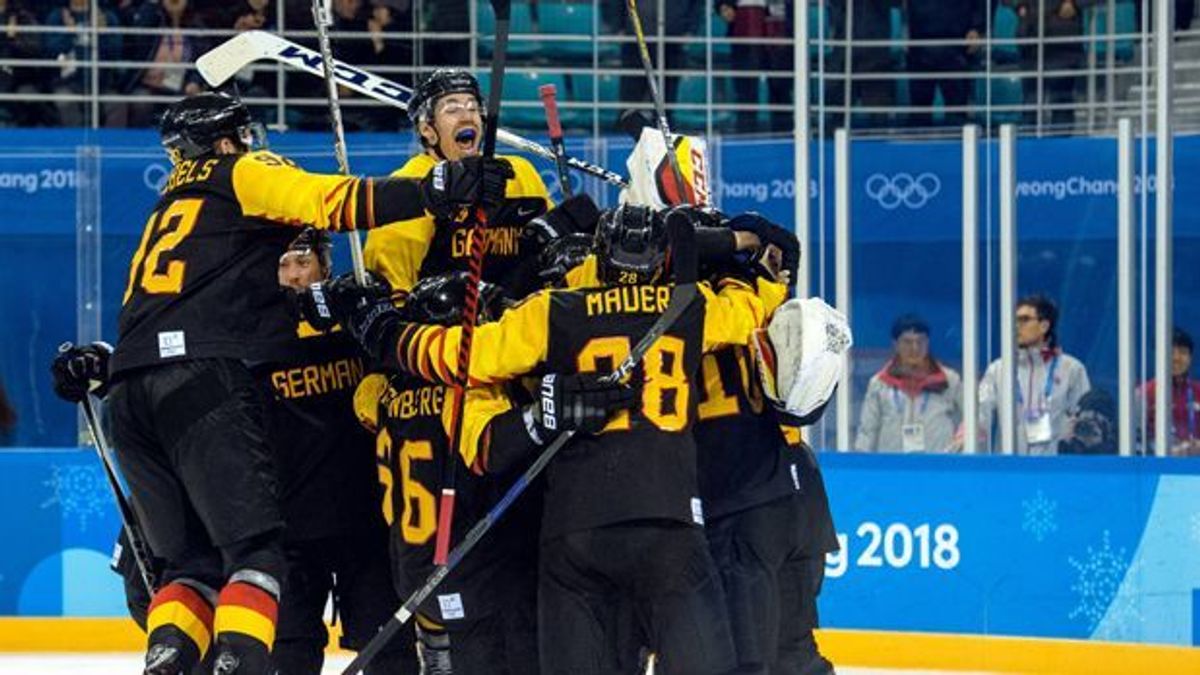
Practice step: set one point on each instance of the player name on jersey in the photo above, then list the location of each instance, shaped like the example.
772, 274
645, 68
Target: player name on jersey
628, 300
189, 171
318, 379
406, 404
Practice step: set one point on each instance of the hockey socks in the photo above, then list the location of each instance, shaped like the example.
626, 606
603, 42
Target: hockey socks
247, 610
179, 627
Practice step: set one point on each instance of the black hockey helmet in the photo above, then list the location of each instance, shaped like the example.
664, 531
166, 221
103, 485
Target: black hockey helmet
317, 242
442, 299
631, 245
437, 84
191, 126
562, 255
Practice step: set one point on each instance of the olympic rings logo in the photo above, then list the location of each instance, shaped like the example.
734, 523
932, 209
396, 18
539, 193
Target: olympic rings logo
892, 192
155, 176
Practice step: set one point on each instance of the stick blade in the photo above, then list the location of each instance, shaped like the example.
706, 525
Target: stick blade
222, 62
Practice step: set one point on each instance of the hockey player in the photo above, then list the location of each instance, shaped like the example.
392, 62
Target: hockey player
188, 415
446, 112
622, 520
335, 539
483, 618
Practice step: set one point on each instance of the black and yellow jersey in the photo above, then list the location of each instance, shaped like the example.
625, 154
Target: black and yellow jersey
203, 281
325, 457
743, 458
644, 464
404, 252
412, 419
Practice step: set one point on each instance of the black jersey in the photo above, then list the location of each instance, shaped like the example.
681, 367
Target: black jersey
644, 464
325, 457
743, 458
203, 280
412, 446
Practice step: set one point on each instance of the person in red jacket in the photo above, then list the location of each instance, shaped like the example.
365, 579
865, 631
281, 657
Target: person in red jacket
1185, 401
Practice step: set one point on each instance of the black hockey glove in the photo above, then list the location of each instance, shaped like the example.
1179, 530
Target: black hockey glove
771, 234
580, 402
576, 214
474, 181
366, 312
79, 370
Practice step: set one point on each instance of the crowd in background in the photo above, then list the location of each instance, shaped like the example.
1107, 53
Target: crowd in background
915, 402
437, 35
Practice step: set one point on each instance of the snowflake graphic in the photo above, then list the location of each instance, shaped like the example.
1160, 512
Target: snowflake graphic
1098, 584
1040, 517
80, 490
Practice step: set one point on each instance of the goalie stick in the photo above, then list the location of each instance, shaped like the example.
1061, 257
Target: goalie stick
474, 273
323, 20
684, 261
129, 522
222, 62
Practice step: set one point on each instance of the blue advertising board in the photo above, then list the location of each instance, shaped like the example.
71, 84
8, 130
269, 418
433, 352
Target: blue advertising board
1085, 548
904, 199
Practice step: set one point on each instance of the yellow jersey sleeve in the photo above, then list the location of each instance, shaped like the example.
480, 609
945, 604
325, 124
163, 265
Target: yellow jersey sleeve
483, 404
584, 275
502, 350
273, 187
731, 315
772, 293
366, 400
526, 182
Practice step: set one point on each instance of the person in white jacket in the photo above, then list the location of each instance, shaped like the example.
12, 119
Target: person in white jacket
914, 403
1049, 382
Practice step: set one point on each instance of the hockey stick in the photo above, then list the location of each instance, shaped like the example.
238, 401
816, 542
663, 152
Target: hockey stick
549, 94
682, 295
659, 106
474, 274
224, 61
323, 20
129, 521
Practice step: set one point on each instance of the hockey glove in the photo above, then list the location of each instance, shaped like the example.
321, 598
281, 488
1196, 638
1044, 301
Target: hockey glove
474, 181
366, 312
580, 402
771, 234
576, 214
79, 370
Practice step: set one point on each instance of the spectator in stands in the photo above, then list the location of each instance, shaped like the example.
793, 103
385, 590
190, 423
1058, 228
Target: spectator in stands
944, 21
1061, 19
760, 19
19, 44
169, 52
1049, 382
871, 21
914, 403
1185, 400
1092, 426
447, 16
73, 47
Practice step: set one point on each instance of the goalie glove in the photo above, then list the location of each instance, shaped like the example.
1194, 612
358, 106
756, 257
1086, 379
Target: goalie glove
581, 402
78, 371
799, 357
651, 179
770, 234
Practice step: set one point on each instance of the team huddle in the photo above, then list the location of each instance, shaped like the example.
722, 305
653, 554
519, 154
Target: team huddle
285, 433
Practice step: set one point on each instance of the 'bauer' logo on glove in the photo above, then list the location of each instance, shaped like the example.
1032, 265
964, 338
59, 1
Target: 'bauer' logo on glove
548, 391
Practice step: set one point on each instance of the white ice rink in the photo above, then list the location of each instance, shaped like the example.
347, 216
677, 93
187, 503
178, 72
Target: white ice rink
129, 664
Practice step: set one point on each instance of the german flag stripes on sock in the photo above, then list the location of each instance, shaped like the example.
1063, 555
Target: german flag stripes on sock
180, 606
247, 608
